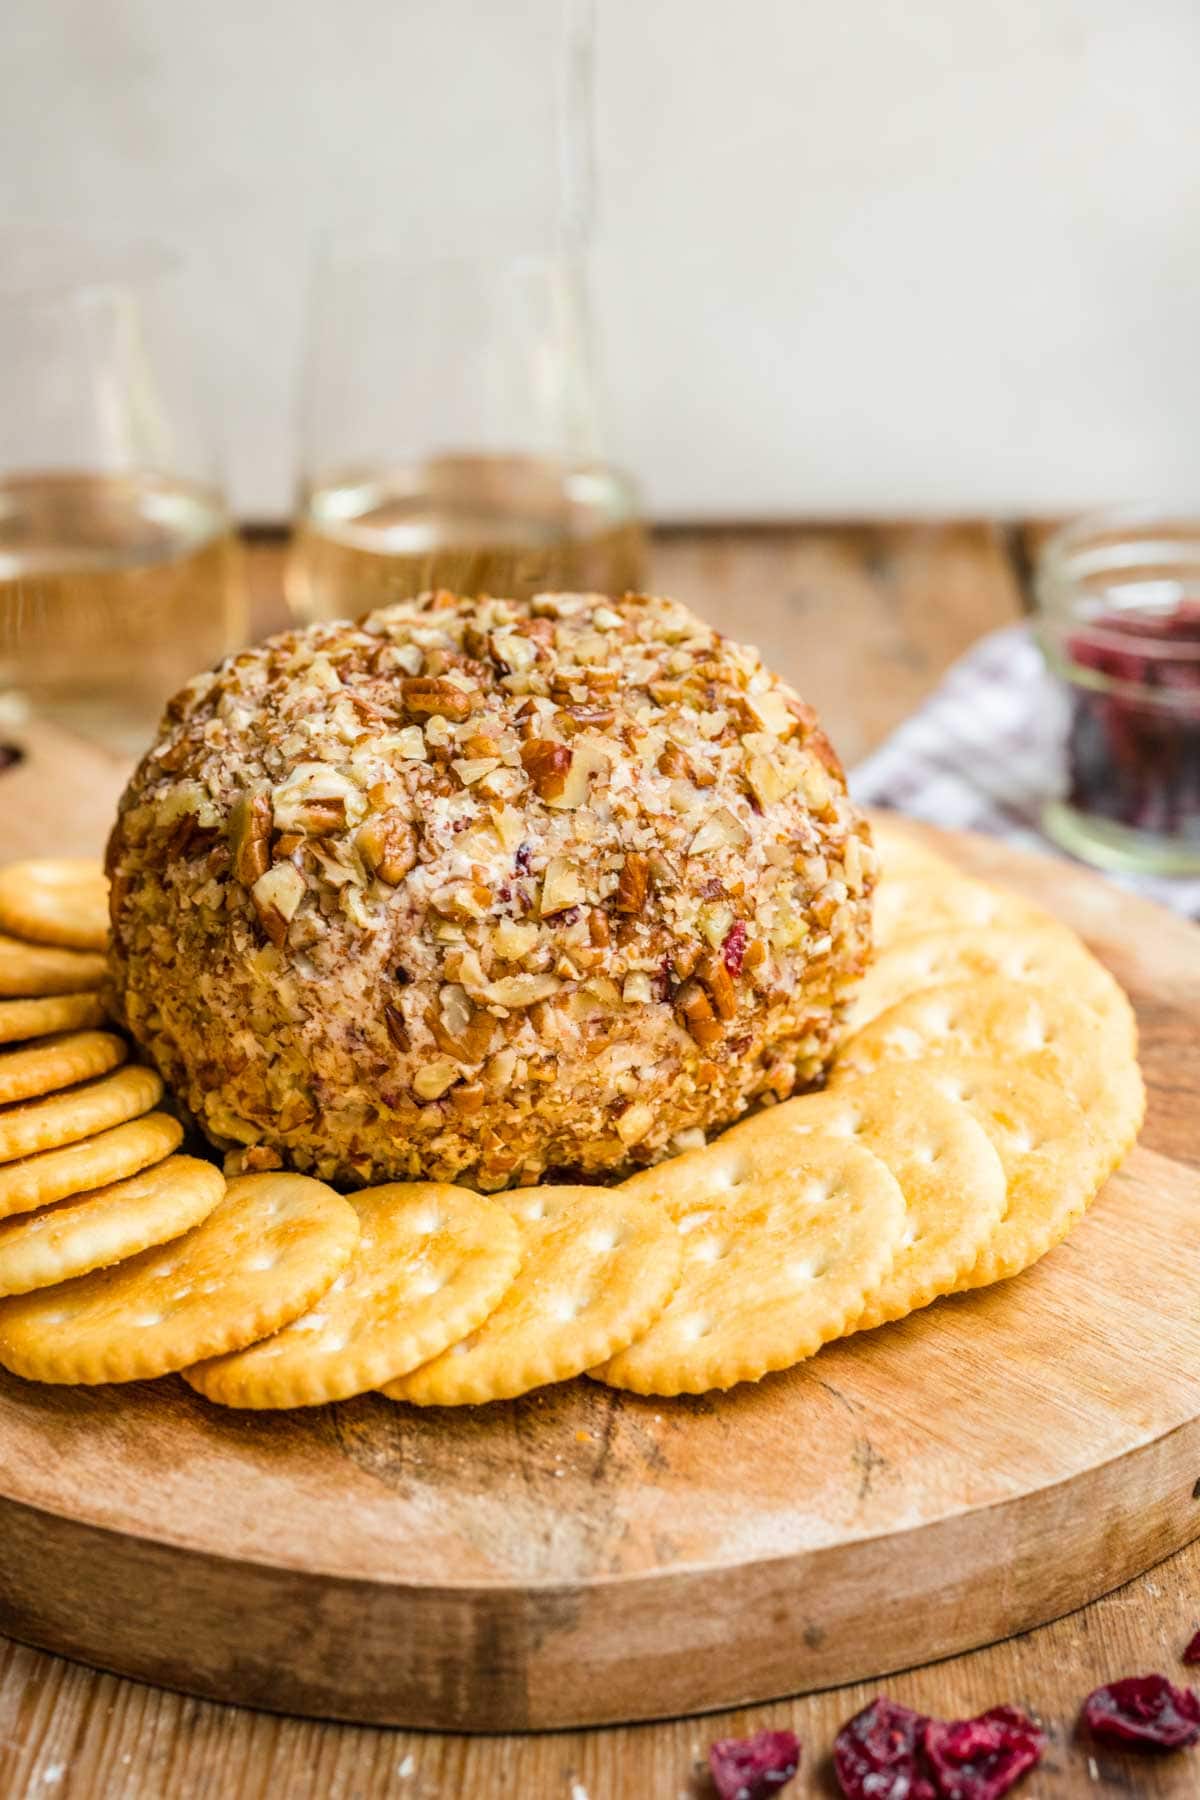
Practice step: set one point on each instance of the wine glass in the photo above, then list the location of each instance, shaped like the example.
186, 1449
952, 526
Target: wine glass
451, 435
119, 572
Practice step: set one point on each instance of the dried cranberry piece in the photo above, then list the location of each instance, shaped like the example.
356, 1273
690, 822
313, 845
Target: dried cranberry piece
734, 948
1192, 1653
880, 1754
751, 1768
1145, 1710
10, 756
980, 1759
524, 858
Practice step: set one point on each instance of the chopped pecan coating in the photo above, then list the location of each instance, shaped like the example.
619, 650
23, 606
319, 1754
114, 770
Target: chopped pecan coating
607, 856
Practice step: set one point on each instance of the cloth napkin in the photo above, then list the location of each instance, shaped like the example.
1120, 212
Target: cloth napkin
985, 752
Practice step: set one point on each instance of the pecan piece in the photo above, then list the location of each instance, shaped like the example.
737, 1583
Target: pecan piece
252, 825
388, 846
713, 973
546, 763
634, 883
696, 1014
427, 696
393, 1018
276, 896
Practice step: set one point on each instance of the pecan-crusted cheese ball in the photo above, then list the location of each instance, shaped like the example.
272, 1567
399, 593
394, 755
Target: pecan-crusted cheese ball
473, 889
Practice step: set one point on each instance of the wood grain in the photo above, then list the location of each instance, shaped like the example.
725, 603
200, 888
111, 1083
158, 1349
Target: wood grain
64, 1729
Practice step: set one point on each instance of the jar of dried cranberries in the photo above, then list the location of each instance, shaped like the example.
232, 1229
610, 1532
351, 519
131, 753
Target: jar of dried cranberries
1118, 617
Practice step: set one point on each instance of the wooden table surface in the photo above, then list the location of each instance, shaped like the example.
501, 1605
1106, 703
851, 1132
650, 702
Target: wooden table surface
863, 619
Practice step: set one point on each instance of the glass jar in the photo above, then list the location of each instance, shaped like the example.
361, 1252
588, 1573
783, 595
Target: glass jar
1118, 619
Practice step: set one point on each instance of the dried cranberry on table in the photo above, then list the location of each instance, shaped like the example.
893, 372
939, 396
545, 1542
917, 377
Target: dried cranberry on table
980, 1759
1144, 1711
888, 1752
879, 1754
1192, 1652
753, 1768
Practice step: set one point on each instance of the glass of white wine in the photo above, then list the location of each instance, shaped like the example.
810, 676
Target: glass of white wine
119, 573
451, 435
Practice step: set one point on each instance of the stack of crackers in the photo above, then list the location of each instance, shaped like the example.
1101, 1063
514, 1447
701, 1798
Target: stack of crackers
986, 1088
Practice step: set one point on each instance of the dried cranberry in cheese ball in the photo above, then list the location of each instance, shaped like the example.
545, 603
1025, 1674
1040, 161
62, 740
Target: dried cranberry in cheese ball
474, 889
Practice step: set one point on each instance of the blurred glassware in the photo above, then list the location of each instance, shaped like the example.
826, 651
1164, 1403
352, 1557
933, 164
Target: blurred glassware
119, 568
451, 429
450, 436
1118, 598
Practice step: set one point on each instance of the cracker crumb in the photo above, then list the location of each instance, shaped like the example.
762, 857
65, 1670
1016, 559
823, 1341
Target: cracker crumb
407, 1767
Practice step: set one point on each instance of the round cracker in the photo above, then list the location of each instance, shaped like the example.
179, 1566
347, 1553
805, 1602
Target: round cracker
951, 1177
1048, 956
265, 1254
431, 1263
902, 852
911, 905
108, 1225
1056, 1037
58, 900
1054, 1164
28, 971
597, 1267
95, 1162
78, 1112
782, 1245
58, 1062
21, 1019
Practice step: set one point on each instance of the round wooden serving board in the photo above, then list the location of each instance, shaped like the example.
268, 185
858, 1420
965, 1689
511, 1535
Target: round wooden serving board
584, 1557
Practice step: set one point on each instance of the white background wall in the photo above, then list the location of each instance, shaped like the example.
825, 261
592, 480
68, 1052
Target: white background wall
854, 255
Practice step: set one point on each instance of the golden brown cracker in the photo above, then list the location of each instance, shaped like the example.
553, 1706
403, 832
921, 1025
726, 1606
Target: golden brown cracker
911, 905
949, 1173
782, 1245
1047, 956
107, 1225
30, 971
21, 1019
58, 1062
1054, 1036
78, 1112
597, 1266
271, 1247
431, 1263
56, 900
94, 1162
1054, 1163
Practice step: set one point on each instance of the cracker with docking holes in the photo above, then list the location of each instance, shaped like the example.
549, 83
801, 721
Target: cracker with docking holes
1056, 1037
431, 1263
94, 1162
1054, 1163
21, 1019
903, 853
781, 1249
109, 1225
1048, 956
77, 1112
59, 900
949, 1173
58, 1062
31, 971
266, 1253
597, 1267
911, 905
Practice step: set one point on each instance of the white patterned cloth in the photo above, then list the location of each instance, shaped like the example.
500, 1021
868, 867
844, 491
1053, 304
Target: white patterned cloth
985, 752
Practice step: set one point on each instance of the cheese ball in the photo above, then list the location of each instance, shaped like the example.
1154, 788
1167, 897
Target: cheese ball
476, 889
